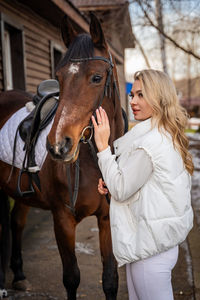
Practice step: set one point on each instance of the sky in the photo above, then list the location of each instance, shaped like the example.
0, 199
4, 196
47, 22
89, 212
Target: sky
176, 14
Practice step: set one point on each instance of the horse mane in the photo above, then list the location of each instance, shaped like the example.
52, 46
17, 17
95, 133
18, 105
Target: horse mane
81, 47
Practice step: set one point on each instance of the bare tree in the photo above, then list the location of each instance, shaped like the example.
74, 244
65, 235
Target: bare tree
146, 7
161, 36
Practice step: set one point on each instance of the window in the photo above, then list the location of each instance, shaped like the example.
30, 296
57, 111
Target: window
7, 60
12, 54
57, 53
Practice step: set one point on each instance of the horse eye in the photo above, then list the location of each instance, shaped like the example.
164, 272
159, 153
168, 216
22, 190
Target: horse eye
96, 78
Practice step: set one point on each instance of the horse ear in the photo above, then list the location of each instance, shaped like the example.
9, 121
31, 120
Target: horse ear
96, 32
68, 31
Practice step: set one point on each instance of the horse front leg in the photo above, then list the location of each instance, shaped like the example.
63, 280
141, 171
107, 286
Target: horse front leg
64, 226
110, 275
18, 222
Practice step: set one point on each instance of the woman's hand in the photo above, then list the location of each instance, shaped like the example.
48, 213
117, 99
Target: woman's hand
102, 187
101, 130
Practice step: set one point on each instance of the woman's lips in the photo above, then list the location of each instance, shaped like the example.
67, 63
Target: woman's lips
135, 111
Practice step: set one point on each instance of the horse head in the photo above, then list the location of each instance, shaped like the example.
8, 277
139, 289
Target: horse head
85, 75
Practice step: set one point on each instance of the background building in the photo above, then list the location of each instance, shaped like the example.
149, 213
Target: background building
30, 40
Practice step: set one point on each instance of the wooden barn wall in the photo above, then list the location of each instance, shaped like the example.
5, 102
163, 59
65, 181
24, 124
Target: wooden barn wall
38, 34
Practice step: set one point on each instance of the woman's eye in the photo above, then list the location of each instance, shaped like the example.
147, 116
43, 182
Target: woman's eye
131, 96
96, 78
140, 95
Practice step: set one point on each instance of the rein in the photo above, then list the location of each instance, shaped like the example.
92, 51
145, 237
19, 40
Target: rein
106, 92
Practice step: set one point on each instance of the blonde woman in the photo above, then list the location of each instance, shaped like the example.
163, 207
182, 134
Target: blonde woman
148, 178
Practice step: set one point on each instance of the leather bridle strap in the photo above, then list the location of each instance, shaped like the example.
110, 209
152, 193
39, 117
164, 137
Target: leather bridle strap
73, 195
109, 61
106, 92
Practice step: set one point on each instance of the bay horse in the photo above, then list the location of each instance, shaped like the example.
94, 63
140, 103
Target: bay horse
83, 75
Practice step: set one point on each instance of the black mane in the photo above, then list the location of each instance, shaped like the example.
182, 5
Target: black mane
81, 47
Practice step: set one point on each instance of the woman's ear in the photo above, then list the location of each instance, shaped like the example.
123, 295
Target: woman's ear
96, 33
68, 31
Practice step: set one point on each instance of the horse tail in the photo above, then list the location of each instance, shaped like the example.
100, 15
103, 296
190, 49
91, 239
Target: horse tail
4, 230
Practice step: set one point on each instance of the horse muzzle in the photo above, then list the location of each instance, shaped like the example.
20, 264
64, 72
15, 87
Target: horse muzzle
63, 151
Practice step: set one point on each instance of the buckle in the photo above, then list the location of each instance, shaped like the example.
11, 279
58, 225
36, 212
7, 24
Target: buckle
85, 134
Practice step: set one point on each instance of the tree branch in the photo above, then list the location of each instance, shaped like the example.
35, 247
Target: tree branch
142, 51
166, 35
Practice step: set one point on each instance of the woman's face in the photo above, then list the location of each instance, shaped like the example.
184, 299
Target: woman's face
141, 109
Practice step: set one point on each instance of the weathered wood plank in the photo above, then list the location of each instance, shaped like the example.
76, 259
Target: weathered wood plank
33, 81
37, 67
35, 34
36, 44
31, 88
38, 74
31, 49
39, 60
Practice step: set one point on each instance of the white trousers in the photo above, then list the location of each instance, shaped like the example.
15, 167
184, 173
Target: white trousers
150, 279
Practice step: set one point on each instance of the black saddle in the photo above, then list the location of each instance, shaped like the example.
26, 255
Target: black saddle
46, 103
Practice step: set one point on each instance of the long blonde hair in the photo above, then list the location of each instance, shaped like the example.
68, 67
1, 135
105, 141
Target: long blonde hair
160, 93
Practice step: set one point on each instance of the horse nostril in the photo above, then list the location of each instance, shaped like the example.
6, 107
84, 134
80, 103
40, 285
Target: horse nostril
66, 145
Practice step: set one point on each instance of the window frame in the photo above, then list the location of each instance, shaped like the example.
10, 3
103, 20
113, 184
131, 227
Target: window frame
58, 47
7, 21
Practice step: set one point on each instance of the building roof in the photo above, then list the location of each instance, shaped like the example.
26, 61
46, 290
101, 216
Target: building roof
96, 3
115, 20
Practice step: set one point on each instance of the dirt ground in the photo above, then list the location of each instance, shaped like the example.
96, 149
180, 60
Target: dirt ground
42, 262
43, 268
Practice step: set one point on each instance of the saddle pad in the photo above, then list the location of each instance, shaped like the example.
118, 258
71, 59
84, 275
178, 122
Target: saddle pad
7, 136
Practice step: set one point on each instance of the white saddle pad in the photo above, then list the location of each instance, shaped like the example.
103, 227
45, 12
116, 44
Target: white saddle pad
7, 136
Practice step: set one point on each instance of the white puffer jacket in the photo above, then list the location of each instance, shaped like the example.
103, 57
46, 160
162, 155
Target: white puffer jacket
159, 215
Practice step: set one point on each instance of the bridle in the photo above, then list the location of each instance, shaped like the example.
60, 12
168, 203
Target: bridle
107, 92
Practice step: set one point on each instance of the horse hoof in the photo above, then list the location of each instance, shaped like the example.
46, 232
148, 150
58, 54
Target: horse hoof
3, 293
22, 285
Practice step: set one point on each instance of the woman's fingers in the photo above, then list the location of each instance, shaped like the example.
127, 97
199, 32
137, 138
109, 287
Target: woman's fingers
99, 117
102, 191
101, 130
94, 122
101, 187
102, 113
106, 117
102, 118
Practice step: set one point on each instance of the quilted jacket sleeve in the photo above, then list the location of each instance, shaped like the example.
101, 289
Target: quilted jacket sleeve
123, 182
